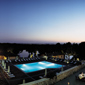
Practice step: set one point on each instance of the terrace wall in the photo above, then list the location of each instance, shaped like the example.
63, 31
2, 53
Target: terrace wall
68, 72
58, 77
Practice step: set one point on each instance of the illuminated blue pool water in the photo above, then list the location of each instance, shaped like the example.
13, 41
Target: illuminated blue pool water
31, 67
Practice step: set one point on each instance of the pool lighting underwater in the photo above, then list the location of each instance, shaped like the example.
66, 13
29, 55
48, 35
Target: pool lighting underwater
36, 66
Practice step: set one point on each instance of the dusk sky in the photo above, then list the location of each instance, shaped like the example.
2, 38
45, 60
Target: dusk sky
42, 21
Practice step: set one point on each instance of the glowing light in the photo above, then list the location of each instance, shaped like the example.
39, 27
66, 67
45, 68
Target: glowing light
41, 63
24, 65
41, 68
68, 83
5, 58
22, 68
50, 64
77, 59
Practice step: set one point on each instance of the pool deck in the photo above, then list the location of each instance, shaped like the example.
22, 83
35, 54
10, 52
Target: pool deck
61, 76
34, 77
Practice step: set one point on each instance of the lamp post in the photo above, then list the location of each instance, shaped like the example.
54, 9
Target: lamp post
4, 65
30, 55
2, 62
8, 68
16, 57
23, 57
23, 81
62, 68
45, 72
8, 58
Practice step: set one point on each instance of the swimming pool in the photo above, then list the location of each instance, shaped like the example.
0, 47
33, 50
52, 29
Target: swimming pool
36, 66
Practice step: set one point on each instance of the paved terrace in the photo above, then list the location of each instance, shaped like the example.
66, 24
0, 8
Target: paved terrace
71, 79
19, 75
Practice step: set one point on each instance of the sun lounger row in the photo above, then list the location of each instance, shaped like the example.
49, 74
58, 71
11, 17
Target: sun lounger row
23, 60
6, 73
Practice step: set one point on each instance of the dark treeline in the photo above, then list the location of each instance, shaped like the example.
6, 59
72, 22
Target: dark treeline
74, 49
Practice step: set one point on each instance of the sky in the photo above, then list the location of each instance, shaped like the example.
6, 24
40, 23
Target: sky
42, 21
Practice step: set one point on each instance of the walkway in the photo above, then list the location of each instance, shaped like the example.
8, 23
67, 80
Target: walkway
71, 79
2, 79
